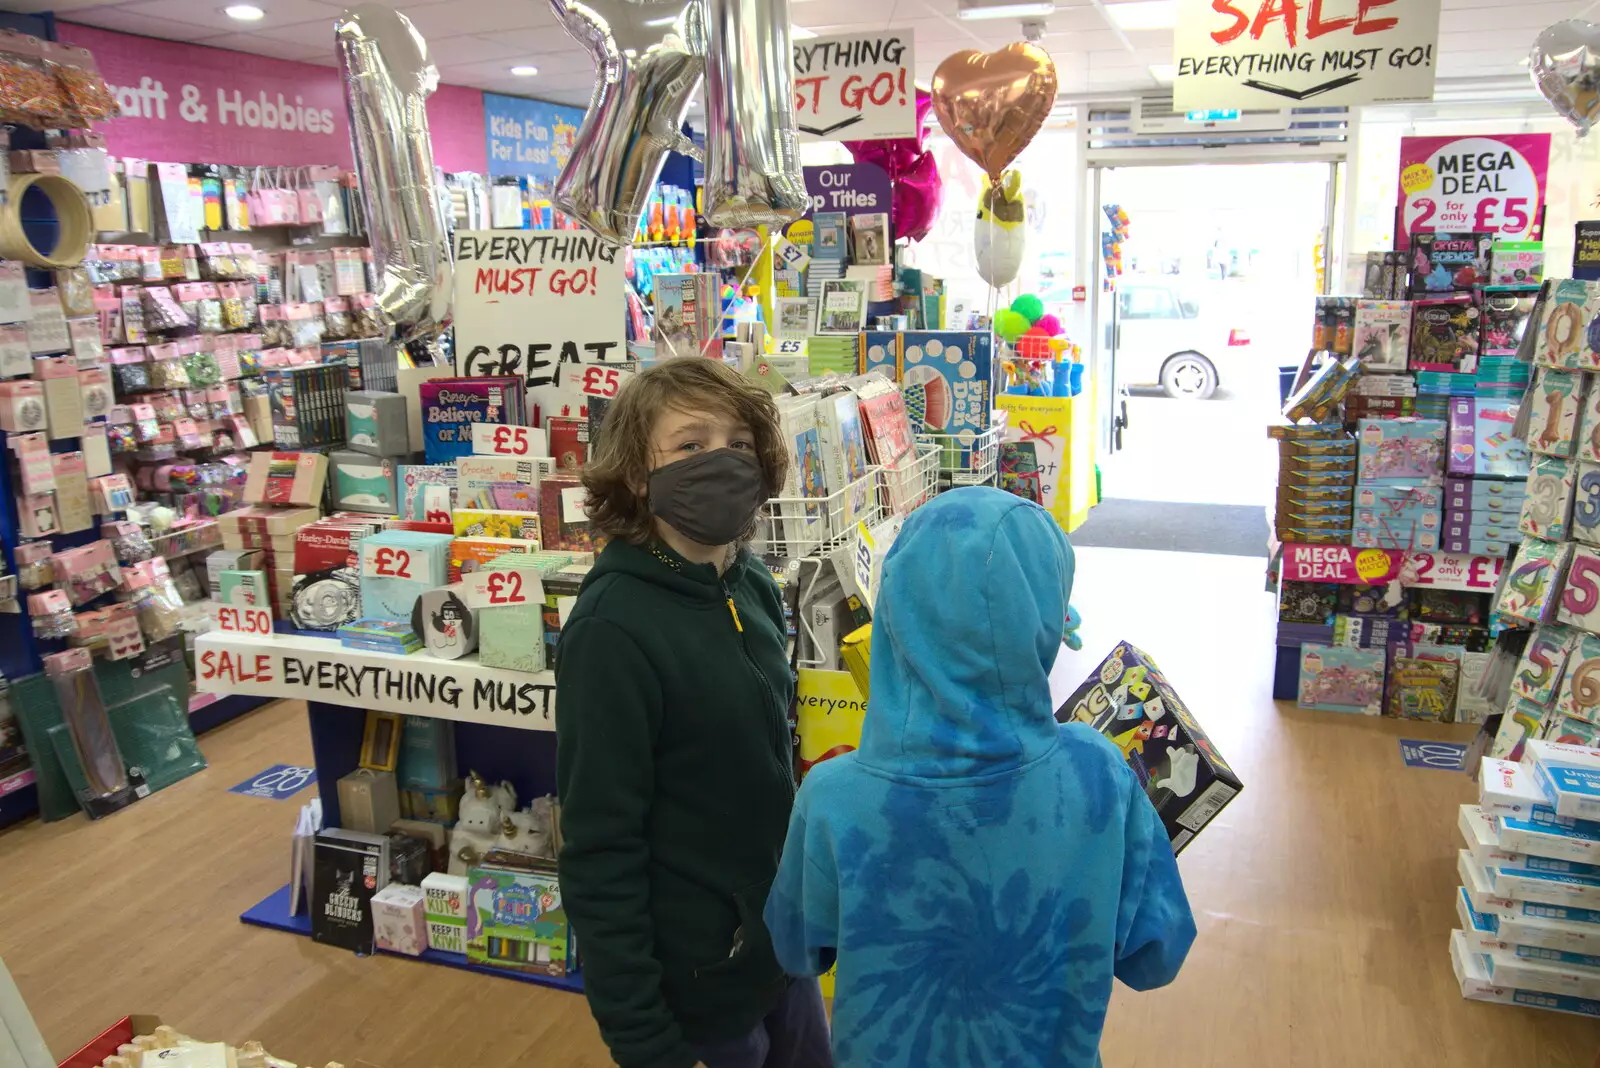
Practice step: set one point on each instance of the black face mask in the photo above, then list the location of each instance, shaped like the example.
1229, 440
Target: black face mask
710, 498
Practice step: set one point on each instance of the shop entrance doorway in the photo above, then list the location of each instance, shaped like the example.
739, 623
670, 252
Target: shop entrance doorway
1219, 265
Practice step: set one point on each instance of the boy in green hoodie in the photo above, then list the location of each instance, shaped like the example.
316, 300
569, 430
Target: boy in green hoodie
674, 761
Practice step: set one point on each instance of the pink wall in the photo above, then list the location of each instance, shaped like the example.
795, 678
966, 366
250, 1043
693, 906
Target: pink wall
185, 103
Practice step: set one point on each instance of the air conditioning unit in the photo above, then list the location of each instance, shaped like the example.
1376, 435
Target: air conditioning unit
1154, 115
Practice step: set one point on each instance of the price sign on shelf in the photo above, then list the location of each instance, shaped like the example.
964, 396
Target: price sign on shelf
385, 561
502, 587
237, 619
495, 439
603, 380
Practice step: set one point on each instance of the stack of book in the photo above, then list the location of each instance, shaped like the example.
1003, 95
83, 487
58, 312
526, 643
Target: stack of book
1529, 900
380, 636
828, 251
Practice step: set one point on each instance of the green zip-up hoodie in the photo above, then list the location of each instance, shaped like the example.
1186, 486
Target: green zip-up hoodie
676, 777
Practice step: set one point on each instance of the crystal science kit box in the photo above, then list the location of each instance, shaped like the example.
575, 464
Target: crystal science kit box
1129, 701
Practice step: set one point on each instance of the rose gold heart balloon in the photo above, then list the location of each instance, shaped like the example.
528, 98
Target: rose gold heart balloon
992, 103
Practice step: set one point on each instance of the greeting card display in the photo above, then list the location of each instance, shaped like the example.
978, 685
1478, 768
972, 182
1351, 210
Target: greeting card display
1547, 506
1554, 400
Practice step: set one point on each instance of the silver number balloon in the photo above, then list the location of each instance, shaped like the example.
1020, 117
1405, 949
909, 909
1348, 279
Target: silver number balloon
752, 158
649, 61
388, 78
1565, 66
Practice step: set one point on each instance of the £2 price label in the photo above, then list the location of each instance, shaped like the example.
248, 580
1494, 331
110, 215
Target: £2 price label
236, 619
501, 588
497, 439
385, 561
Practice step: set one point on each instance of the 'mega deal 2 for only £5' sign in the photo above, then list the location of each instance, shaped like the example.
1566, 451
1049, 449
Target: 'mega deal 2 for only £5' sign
1488, 184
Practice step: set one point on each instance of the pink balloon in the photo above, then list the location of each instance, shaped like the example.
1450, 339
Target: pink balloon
913, 175
1049, 324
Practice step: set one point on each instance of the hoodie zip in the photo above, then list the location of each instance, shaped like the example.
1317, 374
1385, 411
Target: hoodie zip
766, 687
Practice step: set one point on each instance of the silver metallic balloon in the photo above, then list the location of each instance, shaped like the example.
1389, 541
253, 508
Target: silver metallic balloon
388, 78
1565, 66
649, 62
752, 158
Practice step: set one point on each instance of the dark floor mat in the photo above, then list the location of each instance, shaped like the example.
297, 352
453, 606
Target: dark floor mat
1223, 529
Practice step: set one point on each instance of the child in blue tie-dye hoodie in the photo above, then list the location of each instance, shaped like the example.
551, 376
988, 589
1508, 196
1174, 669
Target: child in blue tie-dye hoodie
981, 871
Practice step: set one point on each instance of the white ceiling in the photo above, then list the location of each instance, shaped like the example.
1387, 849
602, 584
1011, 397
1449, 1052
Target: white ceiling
475, 42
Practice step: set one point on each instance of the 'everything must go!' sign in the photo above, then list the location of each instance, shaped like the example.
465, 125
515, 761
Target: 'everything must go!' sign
855, 87
540, 304
1492, 184
1280, 53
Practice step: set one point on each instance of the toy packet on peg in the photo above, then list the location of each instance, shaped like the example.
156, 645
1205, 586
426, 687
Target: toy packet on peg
1547, 505
1588, 443
1554, 402
1585, 525
1543, 663
1579, 694
1560, 331
1529, 591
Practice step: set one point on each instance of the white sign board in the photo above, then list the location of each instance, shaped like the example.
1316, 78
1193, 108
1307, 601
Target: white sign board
539, 303
1280, 54
855, 86
320, 669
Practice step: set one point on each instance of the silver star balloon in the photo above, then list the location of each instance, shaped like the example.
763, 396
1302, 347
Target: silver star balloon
649, 62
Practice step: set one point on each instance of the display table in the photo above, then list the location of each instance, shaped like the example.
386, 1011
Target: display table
505, 726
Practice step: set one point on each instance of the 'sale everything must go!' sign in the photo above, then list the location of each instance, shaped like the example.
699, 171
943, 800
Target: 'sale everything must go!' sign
1282, 53
540, 304
855, 87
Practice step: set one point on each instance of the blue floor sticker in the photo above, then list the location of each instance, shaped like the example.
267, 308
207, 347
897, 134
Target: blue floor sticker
1445, 756
279, 782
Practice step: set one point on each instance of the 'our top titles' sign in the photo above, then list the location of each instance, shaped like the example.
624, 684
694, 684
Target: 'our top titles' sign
1492, 184
855, 87
1279, 53
536, 302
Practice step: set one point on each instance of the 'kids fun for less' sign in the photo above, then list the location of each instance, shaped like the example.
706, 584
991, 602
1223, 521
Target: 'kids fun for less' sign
1473, 185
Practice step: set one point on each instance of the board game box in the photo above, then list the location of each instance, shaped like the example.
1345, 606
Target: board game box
1341, 679
1129, 701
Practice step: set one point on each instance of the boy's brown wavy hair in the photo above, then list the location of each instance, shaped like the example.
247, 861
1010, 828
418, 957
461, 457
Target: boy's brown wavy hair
616, 475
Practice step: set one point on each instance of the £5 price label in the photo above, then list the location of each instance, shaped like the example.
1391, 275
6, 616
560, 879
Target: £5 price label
497, 439
603, 380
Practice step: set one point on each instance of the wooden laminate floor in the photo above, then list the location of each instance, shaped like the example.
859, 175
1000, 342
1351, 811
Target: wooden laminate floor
1323, 893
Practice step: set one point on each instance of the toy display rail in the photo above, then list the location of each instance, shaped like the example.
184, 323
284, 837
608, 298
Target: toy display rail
505, 727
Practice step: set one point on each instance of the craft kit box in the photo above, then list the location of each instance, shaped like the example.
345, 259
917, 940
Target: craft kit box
1401, 451
1129, 701
515, 918
1341, 679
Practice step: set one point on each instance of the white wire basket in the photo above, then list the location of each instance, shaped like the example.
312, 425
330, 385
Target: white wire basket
914, 482
814, 526
968, 459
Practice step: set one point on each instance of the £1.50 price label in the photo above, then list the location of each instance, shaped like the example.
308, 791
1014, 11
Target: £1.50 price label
237, 619
502, 588
497, 439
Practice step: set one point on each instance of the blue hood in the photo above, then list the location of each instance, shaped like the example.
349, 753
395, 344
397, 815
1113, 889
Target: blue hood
972, 606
